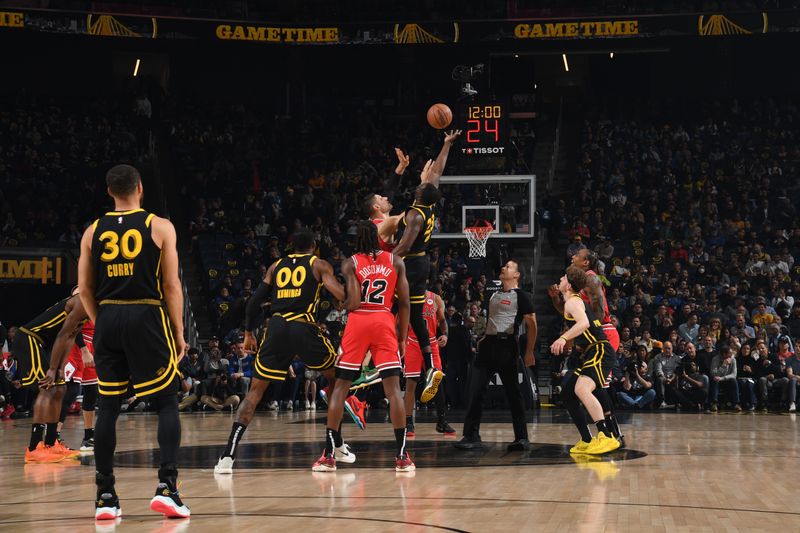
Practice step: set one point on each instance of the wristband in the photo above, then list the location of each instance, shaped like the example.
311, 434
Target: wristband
563, 337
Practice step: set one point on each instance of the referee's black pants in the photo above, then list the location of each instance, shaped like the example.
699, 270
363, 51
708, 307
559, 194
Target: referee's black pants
495, 356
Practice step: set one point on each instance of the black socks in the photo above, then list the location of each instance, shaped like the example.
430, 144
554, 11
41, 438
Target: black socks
233, 440
37, 435
400, 439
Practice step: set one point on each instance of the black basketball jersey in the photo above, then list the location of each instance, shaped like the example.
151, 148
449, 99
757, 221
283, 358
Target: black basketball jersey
420, 244
295, 290
594, 334
47, 325
127, 261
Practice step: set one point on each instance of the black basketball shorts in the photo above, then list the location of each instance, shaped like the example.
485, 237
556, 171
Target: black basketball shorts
597, 364
417, 271
284, 340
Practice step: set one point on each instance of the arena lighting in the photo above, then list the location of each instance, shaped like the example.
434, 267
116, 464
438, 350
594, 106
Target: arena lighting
136, 68
566, 64
611, 55
516, 55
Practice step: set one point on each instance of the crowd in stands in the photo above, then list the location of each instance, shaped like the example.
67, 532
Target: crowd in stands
693, 218
53, 155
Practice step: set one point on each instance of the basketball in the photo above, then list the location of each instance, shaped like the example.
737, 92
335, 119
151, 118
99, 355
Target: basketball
439, 116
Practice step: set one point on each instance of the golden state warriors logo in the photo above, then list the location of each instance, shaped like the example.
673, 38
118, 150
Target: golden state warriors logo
108, 26
739, 24
430, 34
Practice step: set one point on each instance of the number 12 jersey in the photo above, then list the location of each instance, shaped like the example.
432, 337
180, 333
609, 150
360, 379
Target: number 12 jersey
378, 279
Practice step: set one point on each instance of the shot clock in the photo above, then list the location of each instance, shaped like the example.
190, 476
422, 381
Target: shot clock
485, 129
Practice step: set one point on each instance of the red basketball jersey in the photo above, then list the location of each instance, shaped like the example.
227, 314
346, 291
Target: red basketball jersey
585, 298
385, 246
429, 310
377, 278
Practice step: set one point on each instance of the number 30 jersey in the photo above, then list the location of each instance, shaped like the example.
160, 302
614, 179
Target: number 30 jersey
295, 290
420, 244
378, 279
126, 260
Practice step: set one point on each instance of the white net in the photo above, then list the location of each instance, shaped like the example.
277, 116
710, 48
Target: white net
477, 237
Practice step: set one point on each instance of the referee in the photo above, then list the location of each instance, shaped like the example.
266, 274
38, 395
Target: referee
498, 352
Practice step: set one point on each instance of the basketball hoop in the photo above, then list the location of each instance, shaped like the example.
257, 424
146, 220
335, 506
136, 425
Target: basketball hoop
477, 237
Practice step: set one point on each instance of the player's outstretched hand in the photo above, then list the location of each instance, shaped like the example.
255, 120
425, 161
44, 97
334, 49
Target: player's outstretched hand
250, 344
427, 172
558, 346
402, 161
451, 136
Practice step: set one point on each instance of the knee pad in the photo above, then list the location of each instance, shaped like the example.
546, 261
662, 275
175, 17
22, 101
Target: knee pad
89, 397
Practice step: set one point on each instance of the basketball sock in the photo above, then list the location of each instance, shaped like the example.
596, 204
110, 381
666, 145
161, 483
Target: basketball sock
51, 434
168, 473
337, 437
441, 408
613, 425
88, 433
105, 483
37, 434
237, 431
331, 437
409, 421
400, 439
169, 427
603, 426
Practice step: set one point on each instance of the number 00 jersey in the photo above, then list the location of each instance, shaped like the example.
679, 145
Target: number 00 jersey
127, 261
420, 244
377, 278
295, 290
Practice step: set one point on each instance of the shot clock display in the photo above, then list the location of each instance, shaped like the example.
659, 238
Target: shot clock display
485, 129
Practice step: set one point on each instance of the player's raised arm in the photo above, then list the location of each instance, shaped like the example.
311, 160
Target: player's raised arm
351, 282
441, 322
324, 272
441, 160
252, 312
165, 237
413, 226
86, 274
555, 297
403, 302
597, 297
388, 227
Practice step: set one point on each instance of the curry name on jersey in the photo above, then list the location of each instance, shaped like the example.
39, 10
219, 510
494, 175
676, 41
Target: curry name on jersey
295, 289
127, 260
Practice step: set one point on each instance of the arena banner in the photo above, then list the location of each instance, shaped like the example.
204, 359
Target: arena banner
402, 33
37, 266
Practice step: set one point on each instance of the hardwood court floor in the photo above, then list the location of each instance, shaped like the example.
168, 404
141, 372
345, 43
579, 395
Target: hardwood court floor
691, 472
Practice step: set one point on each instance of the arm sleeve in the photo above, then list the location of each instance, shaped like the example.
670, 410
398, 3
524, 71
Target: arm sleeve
253, 308
79, 341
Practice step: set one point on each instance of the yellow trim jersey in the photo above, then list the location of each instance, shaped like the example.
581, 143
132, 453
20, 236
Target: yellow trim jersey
420, 244
594, 334
47, 325
295, 290
126, 260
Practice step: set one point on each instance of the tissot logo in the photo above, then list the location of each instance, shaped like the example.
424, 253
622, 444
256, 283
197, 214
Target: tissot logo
486, 150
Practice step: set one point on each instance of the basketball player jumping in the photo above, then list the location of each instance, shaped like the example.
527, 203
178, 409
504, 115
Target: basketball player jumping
54, 330
595, 370
595, 297
128, 274
294, 282
373, 278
